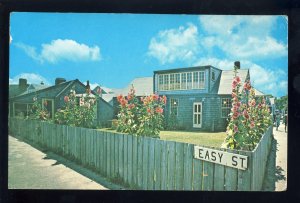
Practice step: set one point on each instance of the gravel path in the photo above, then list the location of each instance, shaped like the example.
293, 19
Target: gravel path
29, 168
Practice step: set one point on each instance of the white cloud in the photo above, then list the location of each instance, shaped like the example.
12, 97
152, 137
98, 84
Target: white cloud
243, 37
60, 49
264, 79
32, 78
175, 44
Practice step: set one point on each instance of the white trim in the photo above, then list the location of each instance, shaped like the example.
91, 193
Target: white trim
198, 125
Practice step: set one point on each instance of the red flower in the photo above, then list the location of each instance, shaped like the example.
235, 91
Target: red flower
235, 115
246, 115
238, 79
66, 99
163, 99
149, 110
252, 124
131, 106
129, 97
252, 102
159, 110
119, 98
247, 86
155, 97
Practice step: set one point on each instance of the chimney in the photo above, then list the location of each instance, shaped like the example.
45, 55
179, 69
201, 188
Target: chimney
59, 81
88, 88
23, 83
237, 65
42, 83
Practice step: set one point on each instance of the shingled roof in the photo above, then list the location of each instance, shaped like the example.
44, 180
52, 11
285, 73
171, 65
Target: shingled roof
226, 80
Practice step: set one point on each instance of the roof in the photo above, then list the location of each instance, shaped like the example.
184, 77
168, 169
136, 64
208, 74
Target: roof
226, 80
34, 88
258, 93
15, 90
143, 86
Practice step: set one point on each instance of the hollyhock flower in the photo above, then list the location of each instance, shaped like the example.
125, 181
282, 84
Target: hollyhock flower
149, 110
155, 97
119, 98
235, 129
66, 99
246, 115
247, 86
142, 99
131, 106
238, 79
234, 84
252, 102
159, 110
235, 115
129, 97
164, 99
252, 125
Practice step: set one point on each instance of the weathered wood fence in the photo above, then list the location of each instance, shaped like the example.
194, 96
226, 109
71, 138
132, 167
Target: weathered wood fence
145, 163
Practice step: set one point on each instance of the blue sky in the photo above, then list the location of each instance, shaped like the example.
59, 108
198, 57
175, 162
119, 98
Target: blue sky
112, 49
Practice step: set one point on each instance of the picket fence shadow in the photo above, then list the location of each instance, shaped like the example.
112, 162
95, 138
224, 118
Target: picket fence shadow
145, 163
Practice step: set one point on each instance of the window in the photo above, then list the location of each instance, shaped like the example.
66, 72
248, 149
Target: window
189, 80
160, 82
172, 81
48, 104
183, 81
174, 106
196, 80
21, 109
225, 107
213, 76
177, 81
201, 80
166, 82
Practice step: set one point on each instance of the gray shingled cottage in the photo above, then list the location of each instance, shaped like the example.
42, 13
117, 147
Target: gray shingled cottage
199, 97
20, 105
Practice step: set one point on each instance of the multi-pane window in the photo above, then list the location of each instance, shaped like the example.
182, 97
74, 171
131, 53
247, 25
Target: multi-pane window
225, 107
182, 81
22, 109
177, 81
189, 80
201, 80
172, 81
160, 82
174, 106
196, 80
166, 82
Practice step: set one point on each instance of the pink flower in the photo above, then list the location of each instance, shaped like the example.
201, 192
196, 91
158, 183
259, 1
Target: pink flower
159, 110
246, 115
252, 125
129, 97
66, 99
155, 97
247, 86
131, 106
235, 115
252, 102
235, 129
238, 79
149, 110
163, 99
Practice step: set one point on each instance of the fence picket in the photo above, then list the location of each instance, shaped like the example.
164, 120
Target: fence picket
151, 164
157, 165
244, 176
179, 166
208, 176
112, 155
230, 177
121, 156
198, 174
145, 162
164, 165
116, 157
188, 167
134, 161
140, 162
126, 158
171, 165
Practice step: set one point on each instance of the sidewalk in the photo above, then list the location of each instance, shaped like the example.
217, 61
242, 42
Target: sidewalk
29, 168
276, 174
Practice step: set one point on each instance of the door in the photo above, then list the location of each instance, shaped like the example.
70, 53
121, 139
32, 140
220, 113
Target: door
197, 115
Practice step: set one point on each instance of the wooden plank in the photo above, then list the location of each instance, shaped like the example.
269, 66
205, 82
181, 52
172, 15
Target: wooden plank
179, 166
157, 163
112, 155
94, 148
116, 157
171, 165
82, 146
145, 162
108, 166
197, 174
188, 167
164, 165
98, 153
244, 176
125, 159
219, 177
151, 164
134, 161
208, 176
129, 159
101, 135
231, 177
140, 162
121, 156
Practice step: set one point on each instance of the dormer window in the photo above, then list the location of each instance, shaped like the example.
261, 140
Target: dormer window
213, 76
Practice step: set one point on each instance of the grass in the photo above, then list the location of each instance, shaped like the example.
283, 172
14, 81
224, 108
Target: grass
212, 139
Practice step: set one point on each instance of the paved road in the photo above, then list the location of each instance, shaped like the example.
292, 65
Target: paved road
276, 174
29, 168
